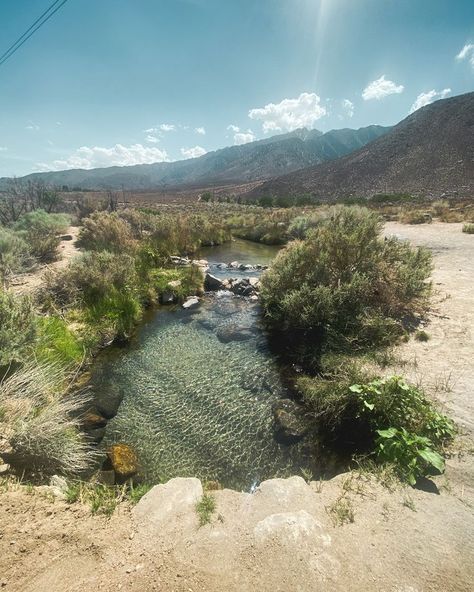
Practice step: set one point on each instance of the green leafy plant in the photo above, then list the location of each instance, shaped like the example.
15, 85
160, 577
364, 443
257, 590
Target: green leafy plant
413, 455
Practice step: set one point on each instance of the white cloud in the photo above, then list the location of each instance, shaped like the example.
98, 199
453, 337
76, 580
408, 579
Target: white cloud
290, 114
428, 97
243, 137
200, 130
32, 127
348, 107
151, 139
380, 88
233, 128
167, 127
193, 152
96, 157
467, 53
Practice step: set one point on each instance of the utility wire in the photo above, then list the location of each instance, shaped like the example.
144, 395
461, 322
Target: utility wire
40, 21
28, 30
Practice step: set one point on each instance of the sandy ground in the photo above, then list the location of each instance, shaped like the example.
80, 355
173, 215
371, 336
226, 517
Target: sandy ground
282, 537
28, 282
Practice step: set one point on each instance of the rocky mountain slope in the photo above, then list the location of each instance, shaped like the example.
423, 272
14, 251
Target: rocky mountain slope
431, 152
259, 160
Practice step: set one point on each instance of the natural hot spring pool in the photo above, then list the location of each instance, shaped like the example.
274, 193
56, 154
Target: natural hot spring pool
195, 403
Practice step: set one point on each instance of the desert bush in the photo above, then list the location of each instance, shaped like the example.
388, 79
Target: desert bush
104, 285
14, 253
440, 207
468, 228
17, 329
105, 231
301, 225
85, 205
408, 216
40, 424
408, 430
452, 216
344, 288
387, 418
40, 230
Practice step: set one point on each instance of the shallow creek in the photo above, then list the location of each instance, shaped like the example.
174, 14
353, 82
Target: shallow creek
196, 403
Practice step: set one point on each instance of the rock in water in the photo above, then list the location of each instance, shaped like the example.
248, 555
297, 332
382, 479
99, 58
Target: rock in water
290, 420
228, 333
123, 461
212, 283
190, 303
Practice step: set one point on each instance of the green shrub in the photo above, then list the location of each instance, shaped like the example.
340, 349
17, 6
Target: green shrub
17, 329
468, 228
104, 285
344, 288
301, 225
105, 231
412, 455
187, 281
40, 230
14, 253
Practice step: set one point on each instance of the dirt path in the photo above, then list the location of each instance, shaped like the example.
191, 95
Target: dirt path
29, 282
445, 363
282, 538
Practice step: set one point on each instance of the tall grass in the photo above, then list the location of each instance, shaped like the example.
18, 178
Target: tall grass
40, 422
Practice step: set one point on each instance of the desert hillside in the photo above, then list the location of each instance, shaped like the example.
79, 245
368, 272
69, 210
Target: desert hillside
430, 153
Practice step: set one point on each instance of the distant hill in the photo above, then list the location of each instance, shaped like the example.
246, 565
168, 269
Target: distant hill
255, 161
430, 153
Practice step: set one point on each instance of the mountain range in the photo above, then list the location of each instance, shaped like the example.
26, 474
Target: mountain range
430, 153
255, 161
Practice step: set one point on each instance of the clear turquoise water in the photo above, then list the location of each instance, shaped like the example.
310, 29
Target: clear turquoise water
195, 406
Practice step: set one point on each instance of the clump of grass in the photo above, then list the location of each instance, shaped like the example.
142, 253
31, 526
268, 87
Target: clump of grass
104, 499
468, 228
422, 336
341, 511
40, 422
136, 492
205, 508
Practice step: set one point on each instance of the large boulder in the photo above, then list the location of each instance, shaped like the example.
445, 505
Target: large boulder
291, 422
213, 283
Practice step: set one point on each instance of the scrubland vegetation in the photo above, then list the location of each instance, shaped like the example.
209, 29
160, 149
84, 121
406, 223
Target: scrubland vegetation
331, 301
96, 299
335, 297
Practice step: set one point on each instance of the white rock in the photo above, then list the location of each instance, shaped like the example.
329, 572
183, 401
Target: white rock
292, 527
191, 303
164, 503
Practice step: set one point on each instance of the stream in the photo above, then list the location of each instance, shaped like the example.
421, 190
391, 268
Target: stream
198, 386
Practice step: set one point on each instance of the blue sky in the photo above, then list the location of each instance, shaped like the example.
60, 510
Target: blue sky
127, 81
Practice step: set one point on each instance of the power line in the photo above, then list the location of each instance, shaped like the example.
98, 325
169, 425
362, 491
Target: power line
28, 30
40, 21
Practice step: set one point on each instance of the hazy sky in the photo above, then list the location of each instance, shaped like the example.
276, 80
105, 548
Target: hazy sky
109, 82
